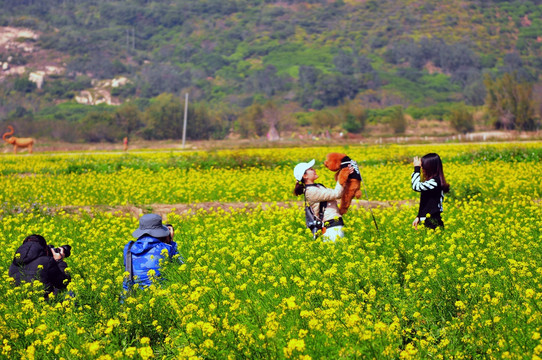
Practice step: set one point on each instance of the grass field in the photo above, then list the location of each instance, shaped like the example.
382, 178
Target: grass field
255, 284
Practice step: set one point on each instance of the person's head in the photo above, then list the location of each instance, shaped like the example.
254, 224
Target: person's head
36, 238
432, 168
304, 174
151, 224
168, 239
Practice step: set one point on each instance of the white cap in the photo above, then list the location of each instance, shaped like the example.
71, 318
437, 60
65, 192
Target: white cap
300, 169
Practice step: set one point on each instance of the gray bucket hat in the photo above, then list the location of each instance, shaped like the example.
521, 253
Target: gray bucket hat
151, 224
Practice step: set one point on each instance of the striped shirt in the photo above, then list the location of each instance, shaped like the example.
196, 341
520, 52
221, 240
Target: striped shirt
431, 194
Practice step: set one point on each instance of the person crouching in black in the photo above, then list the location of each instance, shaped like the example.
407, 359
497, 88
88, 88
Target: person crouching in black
35, 260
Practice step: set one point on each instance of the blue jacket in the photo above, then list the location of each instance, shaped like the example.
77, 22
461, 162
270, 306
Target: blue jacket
146, 255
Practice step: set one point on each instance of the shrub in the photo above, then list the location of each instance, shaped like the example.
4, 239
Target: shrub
354, 117
24, 85
398, 120
462, 120
324, 120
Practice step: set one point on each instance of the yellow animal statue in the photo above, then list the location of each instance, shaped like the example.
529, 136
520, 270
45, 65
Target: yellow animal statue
17, 142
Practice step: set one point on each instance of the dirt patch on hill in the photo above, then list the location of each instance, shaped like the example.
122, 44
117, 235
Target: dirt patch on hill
9, 35
18, 47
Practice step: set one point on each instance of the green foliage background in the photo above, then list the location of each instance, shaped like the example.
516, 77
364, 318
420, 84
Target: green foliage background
239, 52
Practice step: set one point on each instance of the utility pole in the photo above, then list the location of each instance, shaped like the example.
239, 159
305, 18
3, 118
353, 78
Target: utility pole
185, 115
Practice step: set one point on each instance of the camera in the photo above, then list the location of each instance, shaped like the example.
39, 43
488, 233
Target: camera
315, 226
67, 249
312, 222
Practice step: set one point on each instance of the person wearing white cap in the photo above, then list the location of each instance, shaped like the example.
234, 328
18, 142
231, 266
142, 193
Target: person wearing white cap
323, 201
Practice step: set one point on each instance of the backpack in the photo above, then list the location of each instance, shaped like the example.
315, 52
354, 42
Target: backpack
314, 223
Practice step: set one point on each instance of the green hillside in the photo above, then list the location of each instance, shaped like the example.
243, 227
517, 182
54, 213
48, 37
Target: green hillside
243, 56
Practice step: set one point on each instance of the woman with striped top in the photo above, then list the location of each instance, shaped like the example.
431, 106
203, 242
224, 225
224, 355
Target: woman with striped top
431, 190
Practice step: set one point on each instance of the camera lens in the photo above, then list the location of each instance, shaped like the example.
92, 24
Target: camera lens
67, 250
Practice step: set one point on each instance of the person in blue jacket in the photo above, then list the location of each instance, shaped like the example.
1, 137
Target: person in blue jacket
142, 257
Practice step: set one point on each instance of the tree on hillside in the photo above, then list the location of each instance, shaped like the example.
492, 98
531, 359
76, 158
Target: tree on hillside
202, 125
164, 118
251, 122
510, 102
344, 63
225, 116
163, 78
24, 85
308, 78
354, 116
129, 118
398, 120
512, 63
100, 126
267, 81
334, 88
537, 98
324, 121
474, 92
462, 120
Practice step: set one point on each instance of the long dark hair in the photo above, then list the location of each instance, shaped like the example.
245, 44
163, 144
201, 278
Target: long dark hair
432, 169
299, 187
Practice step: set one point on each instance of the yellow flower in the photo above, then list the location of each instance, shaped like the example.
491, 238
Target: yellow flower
94, 347
293, 346
145, 352
460, 305
290, 302
131, 351
30, 352
208, 343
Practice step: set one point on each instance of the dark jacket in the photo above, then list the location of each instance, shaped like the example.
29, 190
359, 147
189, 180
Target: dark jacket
346, 162
25, 267
431, 196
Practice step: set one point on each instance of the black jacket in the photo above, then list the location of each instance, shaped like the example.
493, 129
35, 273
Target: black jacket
25, 267
432, 195
345, 162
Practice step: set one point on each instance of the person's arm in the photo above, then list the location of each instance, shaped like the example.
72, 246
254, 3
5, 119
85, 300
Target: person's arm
416, 222
418, 185
318, 194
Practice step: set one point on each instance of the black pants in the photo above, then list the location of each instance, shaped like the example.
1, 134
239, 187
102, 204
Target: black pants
434, 221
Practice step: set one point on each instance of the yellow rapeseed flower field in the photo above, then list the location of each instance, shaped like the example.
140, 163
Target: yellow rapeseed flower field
254, 283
